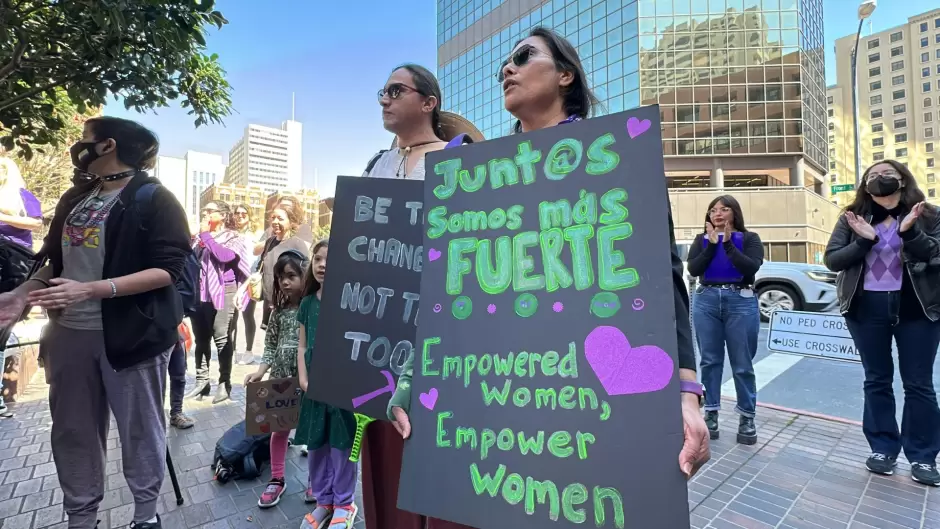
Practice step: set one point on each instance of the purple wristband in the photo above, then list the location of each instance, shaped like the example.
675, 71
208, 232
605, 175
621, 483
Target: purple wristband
688, 386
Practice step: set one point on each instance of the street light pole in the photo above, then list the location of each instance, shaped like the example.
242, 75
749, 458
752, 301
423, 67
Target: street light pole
858, 150
865, 9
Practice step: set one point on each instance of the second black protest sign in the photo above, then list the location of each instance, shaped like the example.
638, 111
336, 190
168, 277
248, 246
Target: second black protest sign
369, 304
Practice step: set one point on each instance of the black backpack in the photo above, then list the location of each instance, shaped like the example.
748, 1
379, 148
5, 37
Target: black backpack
16, 261
239, 455
188, 283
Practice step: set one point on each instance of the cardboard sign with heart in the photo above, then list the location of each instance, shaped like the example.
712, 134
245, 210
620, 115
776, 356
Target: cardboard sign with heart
272, 405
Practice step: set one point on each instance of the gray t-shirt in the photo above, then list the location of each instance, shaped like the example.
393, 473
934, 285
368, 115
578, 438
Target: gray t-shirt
83, 255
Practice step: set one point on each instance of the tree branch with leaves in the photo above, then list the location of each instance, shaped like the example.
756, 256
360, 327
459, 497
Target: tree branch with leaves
150, 52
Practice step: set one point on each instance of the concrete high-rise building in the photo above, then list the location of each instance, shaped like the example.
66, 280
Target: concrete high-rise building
740, 84
189, 176
267, 157
898, 101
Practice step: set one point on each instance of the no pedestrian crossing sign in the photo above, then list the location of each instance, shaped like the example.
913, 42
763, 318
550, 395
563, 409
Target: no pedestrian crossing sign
811, 334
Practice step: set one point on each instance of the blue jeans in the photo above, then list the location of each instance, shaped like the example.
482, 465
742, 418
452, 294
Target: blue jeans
723, 317
873, 321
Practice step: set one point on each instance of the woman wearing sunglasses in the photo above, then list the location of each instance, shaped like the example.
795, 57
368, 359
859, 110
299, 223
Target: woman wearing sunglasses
411, 109
544, 85
224, 259
885, 248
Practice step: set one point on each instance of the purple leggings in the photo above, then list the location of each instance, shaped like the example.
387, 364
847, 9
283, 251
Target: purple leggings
332, 476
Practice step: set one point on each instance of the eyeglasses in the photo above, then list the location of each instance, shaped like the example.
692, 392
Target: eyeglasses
890, 173
394, 90
209, 210
81, 218
519, 58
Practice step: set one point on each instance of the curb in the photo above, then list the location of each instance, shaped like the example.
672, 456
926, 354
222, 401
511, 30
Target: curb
805, 413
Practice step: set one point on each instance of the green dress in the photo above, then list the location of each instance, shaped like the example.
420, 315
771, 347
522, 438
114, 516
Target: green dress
320, 423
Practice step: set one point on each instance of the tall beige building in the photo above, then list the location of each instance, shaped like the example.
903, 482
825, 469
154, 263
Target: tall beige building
898, 101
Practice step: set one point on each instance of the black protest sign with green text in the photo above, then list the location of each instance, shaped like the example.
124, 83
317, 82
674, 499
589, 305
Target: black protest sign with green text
369, 306
546, 390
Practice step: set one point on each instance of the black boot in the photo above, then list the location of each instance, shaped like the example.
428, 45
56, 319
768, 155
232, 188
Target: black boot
201, 389
223, 392
711, 421
747, 431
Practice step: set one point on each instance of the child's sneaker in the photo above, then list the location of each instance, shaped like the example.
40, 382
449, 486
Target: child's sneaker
318, 519
272, 494
309, 497
344, 516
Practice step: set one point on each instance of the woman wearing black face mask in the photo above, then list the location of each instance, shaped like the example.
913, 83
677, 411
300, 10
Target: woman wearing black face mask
885, 249
117, 245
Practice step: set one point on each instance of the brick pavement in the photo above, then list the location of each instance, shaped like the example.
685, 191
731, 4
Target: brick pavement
805, 473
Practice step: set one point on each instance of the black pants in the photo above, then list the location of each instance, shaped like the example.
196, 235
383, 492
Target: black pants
873, 321
218, 326
266, 310
248, 317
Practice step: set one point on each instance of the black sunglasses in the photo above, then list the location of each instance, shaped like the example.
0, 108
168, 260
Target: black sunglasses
519, 58
394, 90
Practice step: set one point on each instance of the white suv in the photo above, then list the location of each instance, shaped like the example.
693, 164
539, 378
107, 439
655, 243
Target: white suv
787, 286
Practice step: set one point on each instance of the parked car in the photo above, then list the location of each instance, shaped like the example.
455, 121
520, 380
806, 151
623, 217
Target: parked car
795, 286
790, 286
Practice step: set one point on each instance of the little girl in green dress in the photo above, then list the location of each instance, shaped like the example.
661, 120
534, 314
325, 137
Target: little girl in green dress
328, 432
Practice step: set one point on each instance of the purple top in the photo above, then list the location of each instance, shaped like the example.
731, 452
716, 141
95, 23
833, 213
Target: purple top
224, 262
33, 210
720, 270
883, 269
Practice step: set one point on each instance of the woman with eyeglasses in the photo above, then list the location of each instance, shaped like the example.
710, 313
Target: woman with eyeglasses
411, 109
725, 257
224, 260
886, 248
544, 85
247, 306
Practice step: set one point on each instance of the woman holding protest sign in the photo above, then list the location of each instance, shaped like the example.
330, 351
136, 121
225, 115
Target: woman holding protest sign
545, 85
411, 109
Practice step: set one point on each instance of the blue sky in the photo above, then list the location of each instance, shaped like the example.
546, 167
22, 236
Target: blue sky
335, 56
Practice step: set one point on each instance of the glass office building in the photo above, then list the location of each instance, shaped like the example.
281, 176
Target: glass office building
740, 83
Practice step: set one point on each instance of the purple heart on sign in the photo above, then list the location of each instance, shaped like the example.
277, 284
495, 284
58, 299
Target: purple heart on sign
635, 127
429, 399
623, 369
434, 254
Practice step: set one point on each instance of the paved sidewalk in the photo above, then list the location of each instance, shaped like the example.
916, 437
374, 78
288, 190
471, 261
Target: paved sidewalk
806, 473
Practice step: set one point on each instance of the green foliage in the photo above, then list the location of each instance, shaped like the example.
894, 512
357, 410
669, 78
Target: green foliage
47, 168
62, 52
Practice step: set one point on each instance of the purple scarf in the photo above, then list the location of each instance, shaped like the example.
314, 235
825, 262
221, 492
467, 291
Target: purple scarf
212, 287
720, 270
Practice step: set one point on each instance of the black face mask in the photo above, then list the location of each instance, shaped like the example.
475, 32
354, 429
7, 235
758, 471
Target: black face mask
883, 186
83, 154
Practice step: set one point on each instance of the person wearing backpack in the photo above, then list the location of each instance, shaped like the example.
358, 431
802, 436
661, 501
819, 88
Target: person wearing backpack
114, 310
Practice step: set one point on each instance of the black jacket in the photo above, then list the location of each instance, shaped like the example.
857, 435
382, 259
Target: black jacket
846, 253
154, 235
680, 294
